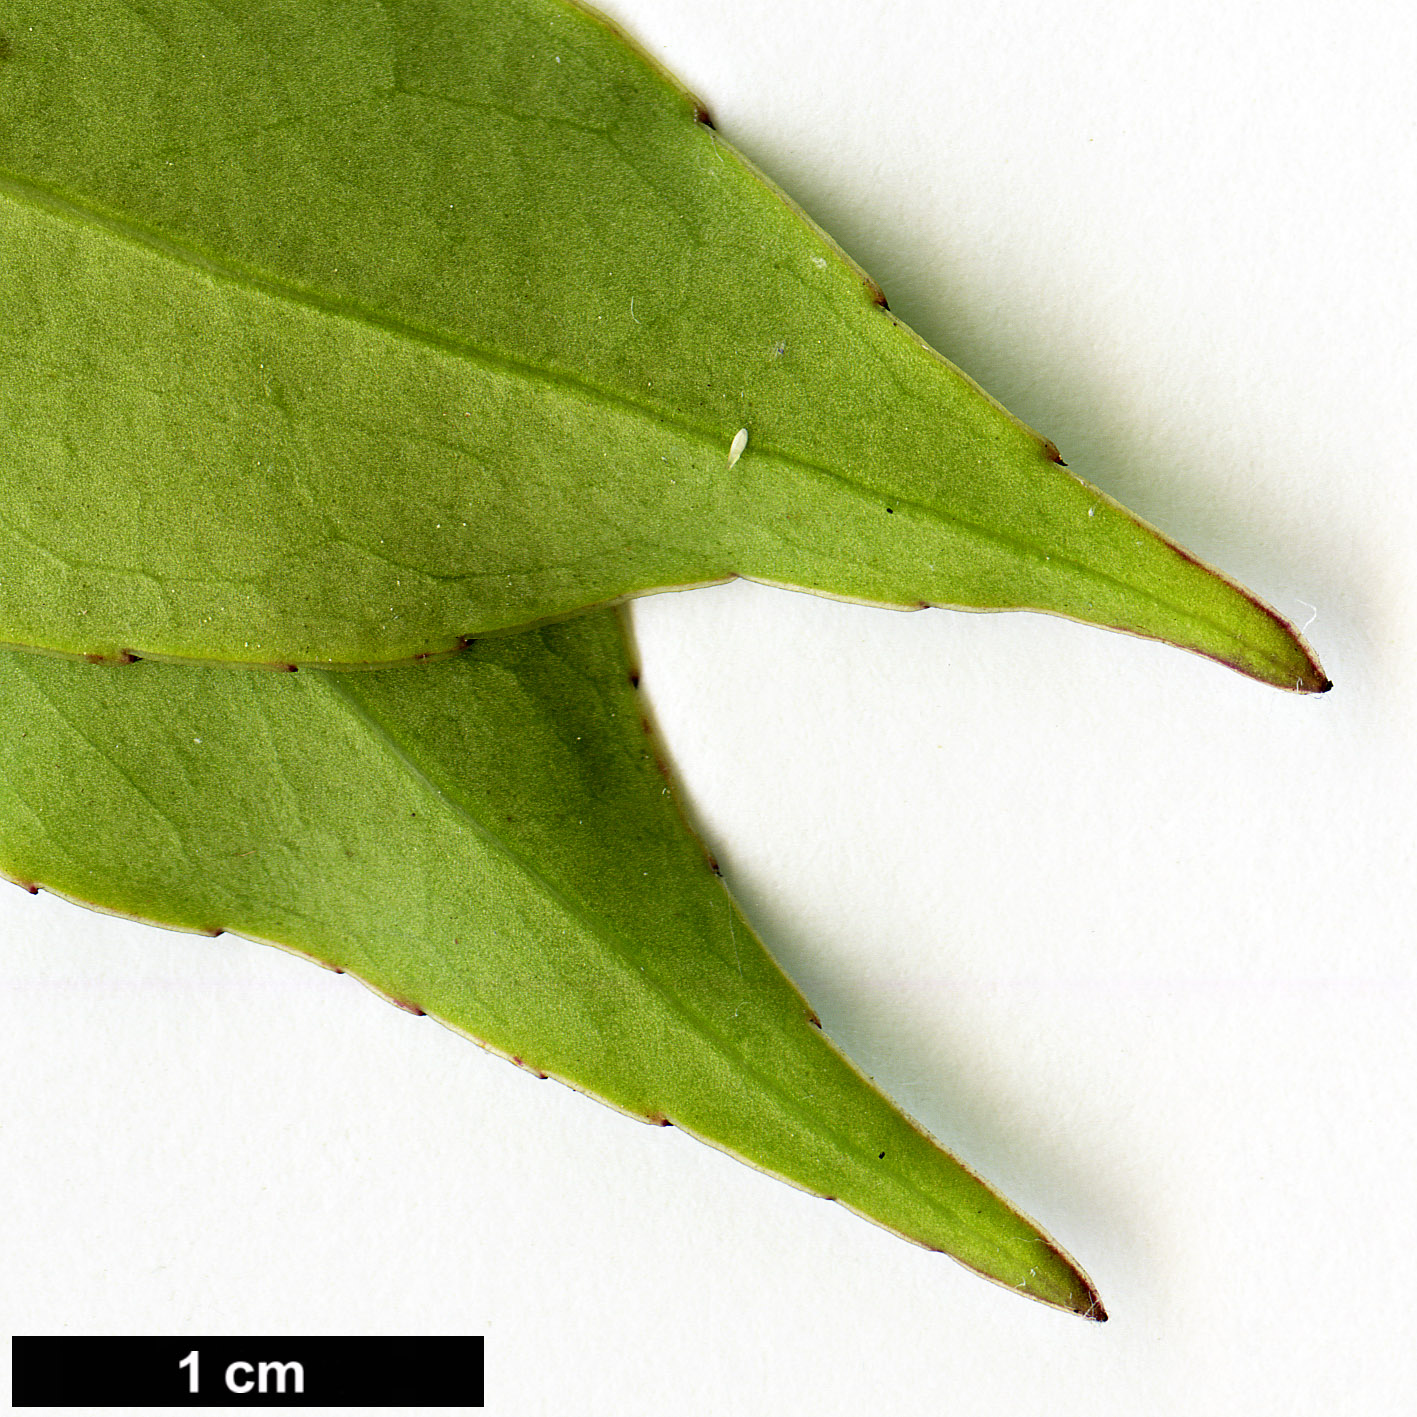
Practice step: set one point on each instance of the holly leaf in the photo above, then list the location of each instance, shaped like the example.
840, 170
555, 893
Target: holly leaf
487, 840
334, 332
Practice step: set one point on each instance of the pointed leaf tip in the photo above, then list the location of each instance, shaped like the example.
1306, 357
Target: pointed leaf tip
547, 398
486, 840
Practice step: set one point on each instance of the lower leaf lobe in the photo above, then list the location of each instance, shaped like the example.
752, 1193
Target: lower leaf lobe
490, 840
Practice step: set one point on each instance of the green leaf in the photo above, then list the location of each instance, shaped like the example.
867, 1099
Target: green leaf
335, 331
488, 840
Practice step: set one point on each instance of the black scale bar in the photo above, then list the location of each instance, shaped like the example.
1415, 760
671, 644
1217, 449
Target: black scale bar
247, 1372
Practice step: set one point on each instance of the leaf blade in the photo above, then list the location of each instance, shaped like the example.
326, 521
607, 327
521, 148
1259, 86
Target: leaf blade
489, 841
502, 222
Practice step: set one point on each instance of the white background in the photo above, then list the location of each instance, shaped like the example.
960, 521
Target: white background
1131, 934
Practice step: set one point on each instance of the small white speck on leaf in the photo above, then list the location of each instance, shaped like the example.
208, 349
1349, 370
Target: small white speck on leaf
735, 448
820, 262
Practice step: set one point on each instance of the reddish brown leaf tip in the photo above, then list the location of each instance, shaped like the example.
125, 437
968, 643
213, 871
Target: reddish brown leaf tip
1314, 681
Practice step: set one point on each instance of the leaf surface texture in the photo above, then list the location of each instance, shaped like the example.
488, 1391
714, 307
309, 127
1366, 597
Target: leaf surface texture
334, 332
488, 840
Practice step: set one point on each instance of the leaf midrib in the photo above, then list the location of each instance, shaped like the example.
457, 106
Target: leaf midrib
27, 191
36, 194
